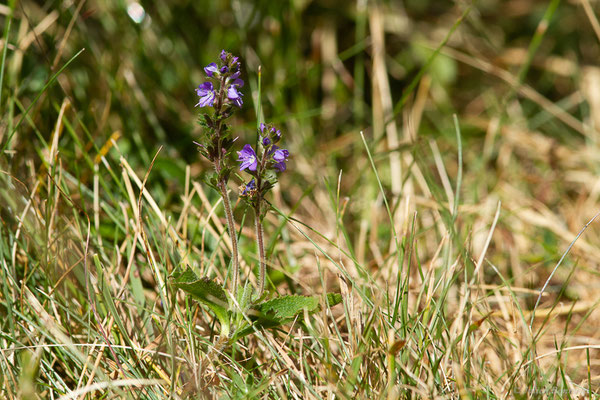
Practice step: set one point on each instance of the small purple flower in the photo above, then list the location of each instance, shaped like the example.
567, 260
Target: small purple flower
223, 55
248, 158
262, 127
280, 166
280, 155
234, 96
210, 69
224, 69
206, 93
249, 188
266, 141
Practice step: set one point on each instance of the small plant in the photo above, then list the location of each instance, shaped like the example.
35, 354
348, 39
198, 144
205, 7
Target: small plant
238, 309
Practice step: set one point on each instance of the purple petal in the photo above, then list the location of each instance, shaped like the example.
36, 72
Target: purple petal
248, 158
238, 82
247, 151
206, 93
206, 100
250, 163
281, 155
223, 55
204, 88
280, 166
234, 96
210, 69
232, 93
262, 127
266, 141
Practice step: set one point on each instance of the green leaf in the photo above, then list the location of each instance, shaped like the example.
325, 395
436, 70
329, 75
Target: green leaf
207, 292
211, 180
244, 297
287, 307
280, 310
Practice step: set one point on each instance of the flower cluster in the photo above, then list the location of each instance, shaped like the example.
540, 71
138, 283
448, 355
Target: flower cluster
227, 75
272, 155
221, 92
269, 158
248, 189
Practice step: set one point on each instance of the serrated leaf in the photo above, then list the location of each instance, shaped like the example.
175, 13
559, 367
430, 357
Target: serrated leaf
207, 292
280, 310
287, 307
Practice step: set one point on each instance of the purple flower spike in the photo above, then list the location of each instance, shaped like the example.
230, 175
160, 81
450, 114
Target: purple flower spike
206, 93
223, 55
210, 69
248, 158
234, 96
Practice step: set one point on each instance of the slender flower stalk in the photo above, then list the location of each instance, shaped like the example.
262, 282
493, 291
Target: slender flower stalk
263, 169
262, 272
232, 232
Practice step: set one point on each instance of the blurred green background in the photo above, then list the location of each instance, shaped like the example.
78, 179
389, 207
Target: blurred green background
330, 69
518, 63
142, 61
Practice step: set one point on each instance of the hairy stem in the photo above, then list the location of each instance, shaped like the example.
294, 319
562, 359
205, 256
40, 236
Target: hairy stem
262, 272
232, 232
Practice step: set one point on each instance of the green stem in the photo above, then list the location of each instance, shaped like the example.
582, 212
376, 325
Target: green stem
262, 272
